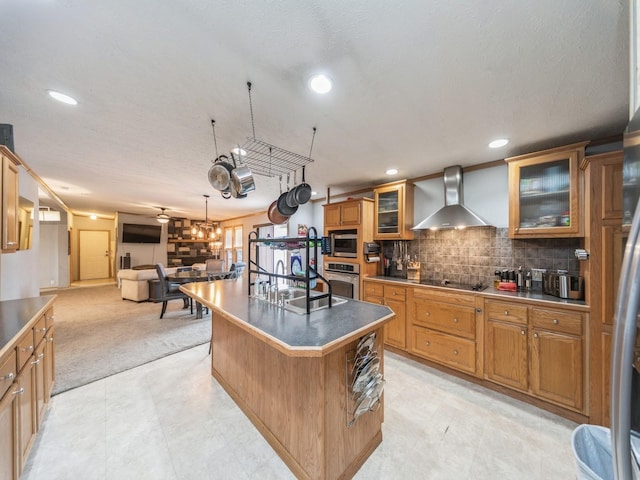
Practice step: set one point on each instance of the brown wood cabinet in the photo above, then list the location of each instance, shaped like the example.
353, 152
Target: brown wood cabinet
545, 192
344, 214
395, 332
444, 328
605, 239
536, 350
393, 217
506, 345
9, 204
27, 370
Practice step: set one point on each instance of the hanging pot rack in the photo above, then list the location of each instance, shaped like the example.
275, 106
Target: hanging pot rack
269, 160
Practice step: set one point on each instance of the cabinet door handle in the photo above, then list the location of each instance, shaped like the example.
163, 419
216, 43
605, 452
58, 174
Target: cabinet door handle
28, 349
9, 376
35, 362
455, 320
506, 312
427, 343
18, 392
41, 355
523, 332
455, 352
556, 321
43, 329
535, 335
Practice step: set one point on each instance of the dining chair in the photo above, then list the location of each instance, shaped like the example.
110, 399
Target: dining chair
170, 291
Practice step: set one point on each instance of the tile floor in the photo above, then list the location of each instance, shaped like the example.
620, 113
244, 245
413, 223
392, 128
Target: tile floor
170, 419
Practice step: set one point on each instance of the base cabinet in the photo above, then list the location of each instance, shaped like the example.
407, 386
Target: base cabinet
9, 460
539, 351
395, 332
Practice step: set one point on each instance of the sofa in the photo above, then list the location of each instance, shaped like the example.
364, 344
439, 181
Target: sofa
134, 283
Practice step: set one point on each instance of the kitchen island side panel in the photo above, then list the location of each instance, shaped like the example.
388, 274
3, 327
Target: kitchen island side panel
297, 403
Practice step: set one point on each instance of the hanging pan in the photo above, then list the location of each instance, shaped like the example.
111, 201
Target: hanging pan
302, 192
283, 208
274, 215
220, 173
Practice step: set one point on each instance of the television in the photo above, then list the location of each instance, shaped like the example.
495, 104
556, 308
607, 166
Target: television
135, 233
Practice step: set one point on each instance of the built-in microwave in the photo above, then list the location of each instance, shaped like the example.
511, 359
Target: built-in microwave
344, 244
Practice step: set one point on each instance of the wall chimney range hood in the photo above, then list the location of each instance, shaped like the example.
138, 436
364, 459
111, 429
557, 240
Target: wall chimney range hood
454, 214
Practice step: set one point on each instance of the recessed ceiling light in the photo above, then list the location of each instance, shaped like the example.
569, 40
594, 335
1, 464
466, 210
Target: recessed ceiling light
391, 171
320, 83
61, 97
501, 142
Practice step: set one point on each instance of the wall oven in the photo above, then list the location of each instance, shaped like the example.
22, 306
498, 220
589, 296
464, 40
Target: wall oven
344, 279
344, 244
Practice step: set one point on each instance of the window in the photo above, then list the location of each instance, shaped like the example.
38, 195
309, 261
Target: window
232, 245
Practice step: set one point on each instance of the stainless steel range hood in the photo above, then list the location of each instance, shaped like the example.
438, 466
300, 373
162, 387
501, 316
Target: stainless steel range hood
454, 214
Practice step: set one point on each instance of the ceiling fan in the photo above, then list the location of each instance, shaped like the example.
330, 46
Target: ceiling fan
163, 217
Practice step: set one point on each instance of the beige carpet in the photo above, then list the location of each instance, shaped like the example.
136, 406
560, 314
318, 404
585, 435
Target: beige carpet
98, 334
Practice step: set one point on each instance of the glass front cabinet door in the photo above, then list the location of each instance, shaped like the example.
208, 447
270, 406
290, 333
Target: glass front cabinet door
545, 191
393, 211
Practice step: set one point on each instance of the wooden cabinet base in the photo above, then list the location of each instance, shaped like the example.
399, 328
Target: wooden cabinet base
297, 403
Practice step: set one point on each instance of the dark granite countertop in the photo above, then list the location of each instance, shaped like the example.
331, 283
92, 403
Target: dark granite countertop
15, 316
498, 294
315, 334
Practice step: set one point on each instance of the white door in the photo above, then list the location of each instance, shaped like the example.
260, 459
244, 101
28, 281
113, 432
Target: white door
94, 254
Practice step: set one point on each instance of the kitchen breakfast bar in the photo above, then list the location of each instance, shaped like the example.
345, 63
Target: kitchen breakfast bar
300, 379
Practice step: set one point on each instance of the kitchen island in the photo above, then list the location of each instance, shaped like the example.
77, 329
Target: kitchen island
291, 375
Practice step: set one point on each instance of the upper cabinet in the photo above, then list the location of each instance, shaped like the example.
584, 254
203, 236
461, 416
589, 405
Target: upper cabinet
393, 217
344, 214
545, 191
9, 200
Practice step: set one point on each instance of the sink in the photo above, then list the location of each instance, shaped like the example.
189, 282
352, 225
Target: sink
299, 304
288, 294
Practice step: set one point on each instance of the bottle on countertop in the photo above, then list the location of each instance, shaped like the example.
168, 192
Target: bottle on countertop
527, 281
520, 279
497, 278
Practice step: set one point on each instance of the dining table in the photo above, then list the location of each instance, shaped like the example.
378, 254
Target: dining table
190, 276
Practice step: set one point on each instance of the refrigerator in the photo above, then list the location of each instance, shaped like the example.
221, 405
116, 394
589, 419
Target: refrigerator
625, 379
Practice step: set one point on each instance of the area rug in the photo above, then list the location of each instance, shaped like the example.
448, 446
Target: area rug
97, 334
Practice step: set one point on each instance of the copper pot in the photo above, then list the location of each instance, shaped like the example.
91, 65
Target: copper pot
274, 214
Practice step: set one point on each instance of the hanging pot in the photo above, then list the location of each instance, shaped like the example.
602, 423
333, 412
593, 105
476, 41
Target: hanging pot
291, 194
283, 208
242, 178
303, 191
220, 173
235, 193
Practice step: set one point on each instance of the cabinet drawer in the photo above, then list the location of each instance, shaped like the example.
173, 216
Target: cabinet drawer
565, 322
378, 300
8, 372
49, 317
25, 348
39, 329
446, 318
452, 351
507, 312
376, 289
395, 293
444, 295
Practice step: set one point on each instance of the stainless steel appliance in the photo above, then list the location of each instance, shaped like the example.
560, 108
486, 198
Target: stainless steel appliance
563, 285
344, 279
344, 244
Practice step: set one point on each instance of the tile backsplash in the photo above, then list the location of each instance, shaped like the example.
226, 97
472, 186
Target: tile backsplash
474, 254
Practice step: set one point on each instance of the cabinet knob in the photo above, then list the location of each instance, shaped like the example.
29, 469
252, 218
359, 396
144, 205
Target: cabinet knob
427, 343
455, 320
426, 314
28, 349
43, 329
41, 355
9, 376
506, 312
555, 321
455, 352
535, 335
523, 332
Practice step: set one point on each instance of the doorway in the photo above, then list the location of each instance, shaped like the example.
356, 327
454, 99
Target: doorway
94, 255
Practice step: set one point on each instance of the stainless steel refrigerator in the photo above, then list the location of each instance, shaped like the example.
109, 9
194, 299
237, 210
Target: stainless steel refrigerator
625, 379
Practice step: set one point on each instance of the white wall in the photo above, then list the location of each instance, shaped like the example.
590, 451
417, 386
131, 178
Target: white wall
19, 270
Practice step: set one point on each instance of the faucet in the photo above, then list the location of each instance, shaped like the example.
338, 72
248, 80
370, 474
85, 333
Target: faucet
280, 263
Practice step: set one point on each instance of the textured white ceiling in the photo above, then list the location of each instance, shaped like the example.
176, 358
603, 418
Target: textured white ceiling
419, 85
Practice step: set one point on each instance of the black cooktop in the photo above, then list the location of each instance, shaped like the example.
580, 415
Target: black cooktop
476, 287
